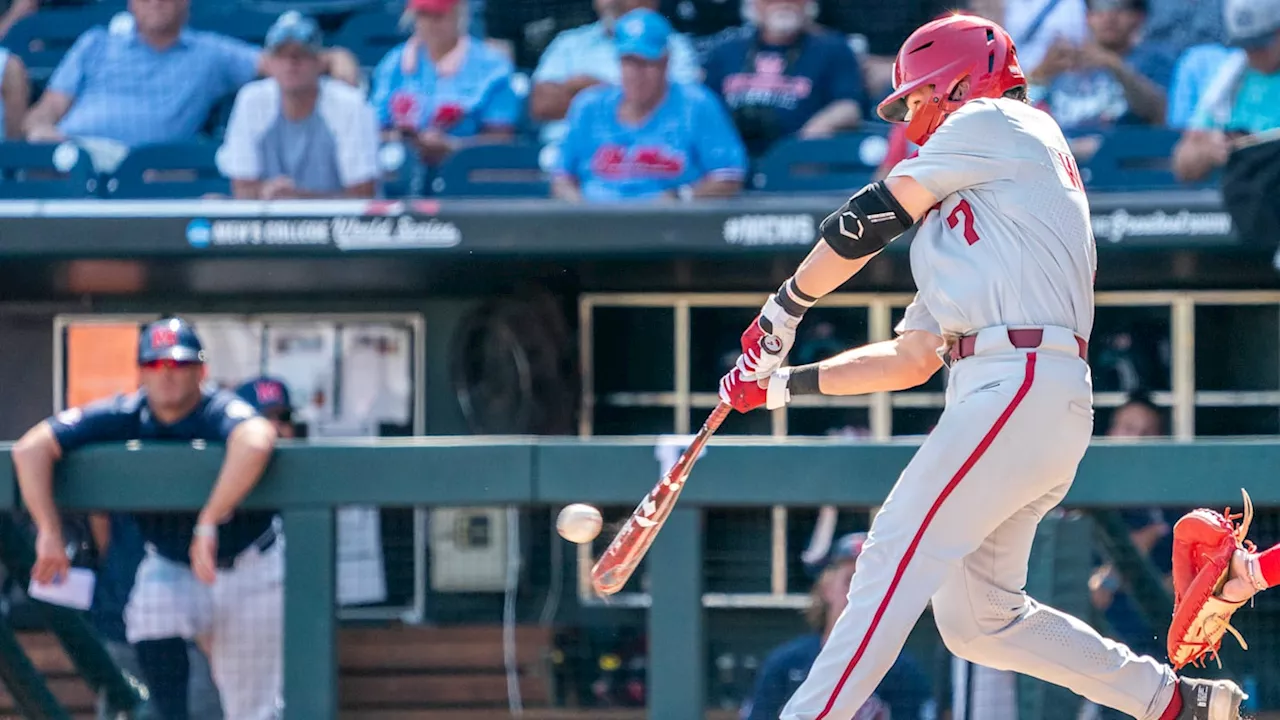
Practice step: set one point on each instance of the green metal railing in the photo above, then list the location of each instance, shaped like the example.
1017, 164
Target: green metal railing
308, 482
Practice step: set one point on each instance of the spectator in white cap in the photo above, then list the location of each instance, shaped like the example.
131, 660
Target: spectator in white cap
1241, 101
297, 134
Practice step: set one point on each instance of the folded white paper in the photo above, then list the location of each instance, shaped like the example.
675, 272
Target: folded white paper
75, 591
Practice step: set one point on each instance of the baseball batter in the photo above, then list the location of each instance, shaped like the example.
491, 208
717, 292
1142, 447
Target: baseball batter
1004, 261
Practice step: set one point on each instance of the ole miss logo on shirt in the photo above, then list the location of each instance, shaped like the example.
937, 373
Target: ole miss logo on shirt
618, 162
768, 85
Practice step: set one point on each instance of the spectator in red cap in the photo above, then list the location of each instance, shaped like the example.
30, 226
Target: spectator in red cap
440, 90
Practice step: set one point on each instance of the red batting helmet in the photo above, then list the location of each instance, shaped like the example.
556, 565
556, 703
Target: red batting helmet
942, 53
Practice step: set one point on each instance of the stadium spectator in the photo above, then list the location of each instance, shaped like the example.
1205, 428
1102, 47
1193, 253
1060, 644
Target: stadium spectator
1192, 76
877, 29
120, 550
1240, 101
15, 94
1037, 25
649, 137
297, 134
786, 76
903, 694
1174, 26
1107, 80
270, 397
587, 56
154, 82
1138, 417
441, 89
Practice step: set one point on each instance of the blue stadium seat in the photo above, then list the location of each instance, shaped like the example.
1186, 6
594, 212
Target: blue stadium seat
244, 24
403, 175
369, 35
44, 171
845, 162
493, 171
42, 39
1132, 159
169, 170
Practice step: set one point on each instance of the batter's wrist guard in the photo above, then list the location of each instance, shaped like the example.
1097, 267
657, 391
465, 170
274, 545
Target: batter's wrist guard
789, 382
793, 300
205, 530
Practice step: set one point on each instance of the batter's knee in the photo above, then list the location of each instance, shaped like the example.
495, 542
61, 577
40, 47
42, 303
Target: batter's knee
967, 624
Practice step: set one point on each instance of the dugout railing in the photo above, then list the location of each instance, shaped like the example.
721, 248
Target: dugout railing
309, 482
1220, 352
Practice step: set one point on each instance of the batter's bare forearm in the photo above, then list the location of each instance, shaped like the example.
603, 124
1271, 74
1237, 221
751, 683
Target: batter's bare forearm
885, 366
248, 451
823, 271
34, 456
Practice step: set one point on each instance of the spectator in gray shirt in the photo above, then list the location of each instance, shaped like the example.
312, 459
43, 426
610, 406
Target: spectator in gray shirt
297, 134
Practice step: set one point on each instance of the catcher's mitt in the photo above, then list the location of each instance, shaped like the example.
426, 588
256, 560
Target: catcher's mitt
1204, 542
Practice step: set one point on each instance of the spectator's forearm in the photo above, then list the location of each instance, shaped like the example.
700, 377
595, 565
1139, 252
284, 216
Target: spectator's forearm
565, 188
550, 101
33, 459
839, 115
248, 452
44, 116
1145, 98
341, 64
1190, 160
246, 189
717, 188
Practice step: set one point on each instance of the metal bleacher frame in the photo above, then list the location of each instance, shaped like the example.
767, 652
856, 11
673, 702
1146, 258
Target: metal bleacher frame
1183, 398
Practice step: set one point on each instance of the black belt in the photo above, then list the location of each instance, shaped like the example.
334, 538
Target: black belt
263, 544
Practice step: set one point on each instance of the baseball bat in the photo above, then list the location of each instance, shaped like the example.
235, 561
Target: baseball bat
620, 559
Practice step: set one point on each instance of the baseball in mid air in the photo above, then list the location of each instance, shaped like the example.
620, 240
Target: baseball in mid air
579, 523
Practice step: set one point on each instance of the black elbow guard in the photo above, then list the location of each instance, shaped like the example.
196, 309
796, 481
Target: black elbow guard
870, 219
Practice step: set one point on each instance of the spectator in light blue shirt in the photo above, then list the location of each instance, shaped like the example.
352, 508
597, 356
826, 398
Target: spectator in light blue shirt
441, 89
582, 57
1240, 101
148, 81
648, 138
1195, 70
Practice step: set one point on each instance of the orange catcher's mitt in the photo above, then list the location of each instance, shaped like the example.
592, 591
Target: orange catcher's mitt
1204, 541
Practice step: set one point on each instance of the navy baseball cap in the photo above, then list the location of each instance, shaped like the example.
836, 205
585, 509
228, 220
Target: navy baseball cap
293, 27
848, 547
169, 339
266, 394
643, 33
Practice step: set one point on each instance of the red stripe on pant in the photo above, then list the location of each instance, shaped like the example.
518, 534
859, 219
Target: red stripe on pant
1028, 377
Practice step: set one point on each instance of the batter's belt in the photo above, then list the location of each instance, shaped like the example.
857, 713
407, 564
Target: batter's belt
1021, 338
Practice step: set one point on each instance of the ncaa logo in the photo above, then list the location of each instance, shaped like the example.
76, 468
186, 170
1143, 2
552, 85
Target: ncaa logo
199, 233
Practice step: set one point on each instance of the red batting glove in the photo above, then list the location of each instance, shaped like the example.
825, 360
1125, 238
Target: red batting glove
743, 395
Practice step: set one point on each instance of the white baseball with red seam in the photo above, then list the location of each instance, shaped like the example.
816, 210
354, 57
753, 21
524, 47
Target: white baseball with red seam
579, 523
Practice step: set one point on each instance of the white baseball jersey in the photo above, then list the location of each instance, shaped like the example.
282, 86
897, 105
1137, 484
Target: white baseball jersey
1010, 241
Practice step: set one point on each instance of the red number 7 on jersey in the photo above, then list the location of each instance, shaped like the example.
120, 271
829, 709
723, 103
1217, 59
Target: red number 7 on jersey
962, 208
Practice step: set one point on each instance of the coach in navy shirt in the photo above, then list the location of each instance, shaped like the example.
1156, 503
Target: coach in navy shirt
904, 694
785, 76
208, 574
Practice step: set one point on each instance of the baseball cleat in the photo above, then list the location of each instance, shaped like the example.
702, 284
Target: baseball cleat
1210, 699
